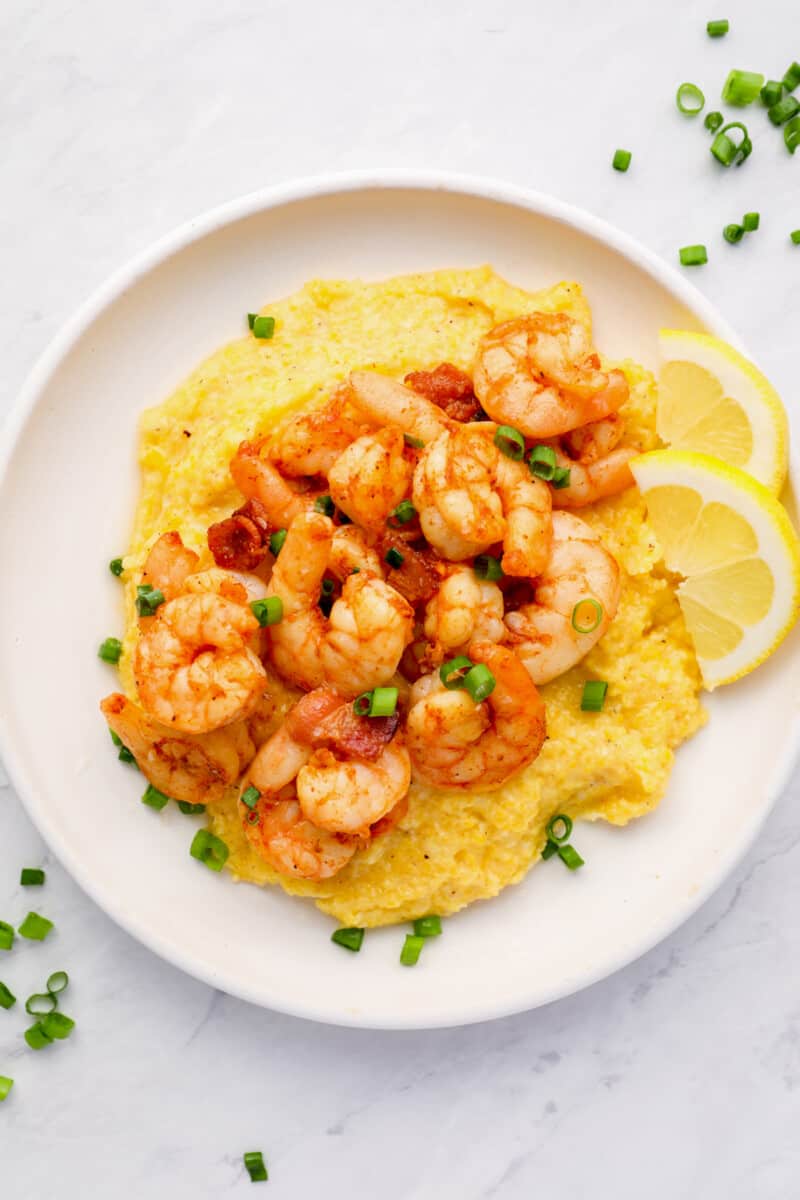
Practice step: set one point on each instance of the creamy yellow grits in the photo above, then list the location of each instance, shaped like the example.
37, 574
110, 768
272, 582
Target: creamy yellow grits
451, 848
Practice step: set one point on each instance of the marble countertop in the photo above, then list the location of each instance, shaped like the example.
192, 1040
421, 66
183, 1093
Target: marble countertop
678, 1077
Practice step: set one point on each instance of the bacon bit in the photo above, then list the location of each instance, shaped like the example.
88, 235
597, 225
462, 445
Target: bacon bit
241, 541
359, 737
448, 387
420, 576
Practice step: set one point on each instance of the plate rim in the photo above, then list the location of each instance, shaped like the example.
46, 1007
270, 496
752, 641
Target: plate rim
159, 251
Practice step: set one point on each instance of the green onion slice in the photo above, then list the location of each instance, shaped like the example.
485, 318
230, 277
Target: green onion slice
155, 799
487, 567
40, 1004
116, 567
550, 848
31, 877
733, 233
148, 599
35, 927
479, 682
689, 99
751, 221
542, 462
713, 121
254, 1161
251, 319
452, 673
36, 1037
250, 797
351, 938
6, 935
594, 695
403, 514
57, 1026
110, 650
268, 611
559, 828
6, 1084
621, 160
426, 927
693, 256
412, 948
509, 441
717, 28
324, 504
7, 997
792, 77
795, 237
209, 850
791, 134
414, 442
771, 92
587, 615
263, 327
570, 857
276, 541
784, 110
362, 703
126, 756
728, 152
383, 701
394, 558
742, 87
58, 982
561, 477
191, 810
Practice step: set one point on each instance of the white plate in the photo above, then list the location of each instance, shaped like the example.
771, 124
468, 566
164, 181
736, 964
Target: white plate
66, 494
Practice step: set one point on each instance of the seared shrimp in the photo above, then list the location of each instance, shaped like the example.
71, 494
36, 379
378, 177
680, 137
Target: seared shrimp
540, 374
310, 442
387, 402
360, 645
196, 768
282, 836
594, 479
456, 743
350, 552
166, 568
239, 586
470, 495
193, 667
371, 477
580, 570
257, 479
464, 608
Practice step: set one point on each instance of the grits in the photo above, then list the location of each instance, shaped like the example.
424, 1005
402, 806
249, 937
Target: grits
450, 849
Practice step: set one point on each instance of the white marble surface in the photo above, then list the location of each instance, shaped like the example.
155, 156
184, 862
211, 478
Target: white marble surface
680, 1076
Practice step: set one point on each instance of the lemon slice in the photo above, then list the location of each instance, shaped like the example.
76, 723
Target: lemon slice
712, 400
735, 547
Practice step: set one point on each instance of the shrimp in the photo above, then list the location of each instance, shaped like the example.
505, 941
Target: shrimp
456, 743
371, 477
386, 402
350, 552
196, 768
464, 608
166, 568
193, 667
470, 495
360, 645
581, 568
594, 478
258, 479
282, 836
310, 442
540, 374
239, 586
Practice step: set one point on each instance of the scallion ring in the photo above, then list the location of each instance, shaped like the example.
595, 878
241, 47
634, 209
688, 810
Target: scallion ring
487, 567
383, 701
276, 541
542, 462
509, 441
742, 87
479, 682
713, 121
403, 514
452, 673
7, 997
250, 797
792, 77
728, 152
35, 927
559, 828
254, 1161
40, 1004
791, 134
784, 110
351, 938
689, 99
733, 233
587, 615
268, 611
57, 983
209, 850
362, 703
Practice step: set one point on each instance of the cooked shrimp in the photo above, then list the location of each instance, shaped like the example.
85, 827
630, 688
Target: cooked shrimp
280, 834
464, 608
588, 443
310, 442
239, 586
386, 402
580, 569
360, 645
371, 477
166, 567
350, 552
193, 667
196, 768
456, 743
257, 479
540, 374
470, 495
596, 479
350, 795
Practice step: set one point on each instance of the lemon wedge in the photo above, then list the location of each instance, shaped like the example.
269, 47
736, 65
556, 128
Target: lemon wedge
737, 551
713, 400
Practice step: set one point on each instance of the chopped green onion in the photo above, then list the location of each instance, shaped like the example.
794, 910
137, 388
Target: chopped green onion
452, 673
693, 256
509, 441
771, 92
794, 235
487, 567
791, 134
57, 1025
426, 927
751, 221
404, 513
35, 927
268, 611
36, 1037
324, 504
153, 798
40, 1004
31, 877
351, 938
361, 704
126, 756
394, 558
717, 28
6, 1085
263, 327
110, 650
191, 810
116, 567
58, 982
254, 1161
784, 110
116, 739
689, 99
276, 541
792, 77
253, 817
327, 587
414, 442
586, 623
570, 857
7, 998
383, 701
412, 948
621, 160
550, 848
559, 828
742, 87
250, 319
726, 151
479, 682
713, 120
148, 599
542, 462
209, 849
733, 233
6, 935
594, 695
561, 477
250, 797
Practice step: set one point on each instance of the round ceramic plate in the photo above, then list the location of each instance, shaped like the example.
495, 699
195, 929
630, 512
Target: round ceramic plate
69, 472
